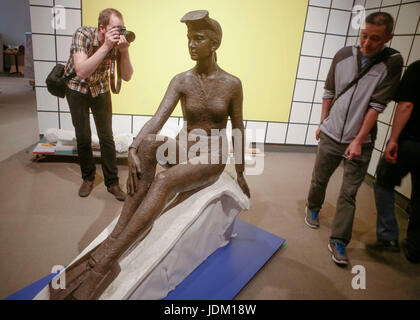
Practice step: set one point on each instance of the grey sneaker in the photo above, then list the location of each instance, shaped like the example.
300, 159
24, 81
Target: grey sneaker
311, 218
338, 251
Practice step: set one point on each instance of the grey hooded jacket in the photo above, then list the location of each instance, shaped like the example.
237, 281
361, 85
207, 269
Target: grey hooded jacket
374, 90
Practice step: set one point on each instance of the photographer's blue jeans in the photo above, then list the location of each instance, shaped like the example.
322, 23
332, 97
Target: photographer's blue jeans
390, 175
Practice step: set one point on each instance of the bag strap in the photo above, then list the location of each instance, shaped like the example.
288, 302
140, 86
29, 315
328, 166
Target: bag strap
385, 53
68, 77
71, 75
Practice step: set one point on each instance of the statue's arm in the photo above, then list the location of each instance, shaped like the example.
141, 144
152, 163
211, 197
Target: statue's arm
162, 114
238, 136
237, 126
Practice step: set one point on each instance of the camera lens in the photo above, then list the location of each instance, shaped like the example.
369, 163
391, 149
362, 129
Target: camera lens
130, 36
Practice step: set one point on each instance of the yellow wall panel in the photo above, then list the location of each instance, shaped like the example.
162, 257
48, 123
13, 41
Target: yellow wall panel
261, 45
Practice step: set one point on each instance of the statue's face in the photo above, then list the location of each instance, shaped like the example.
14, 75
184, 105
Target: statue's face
199, 44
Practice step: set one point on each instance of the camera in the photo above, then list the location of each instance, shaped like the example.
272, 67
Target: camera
129, 35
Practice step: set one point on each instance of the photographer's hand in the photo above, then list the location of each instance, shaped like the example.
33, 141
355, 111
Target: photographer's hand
112, 38
123, 44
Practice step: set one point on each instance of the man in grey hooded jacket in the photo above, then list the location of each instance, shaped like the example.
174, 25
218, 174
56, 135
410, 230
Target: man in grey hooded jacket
348, 125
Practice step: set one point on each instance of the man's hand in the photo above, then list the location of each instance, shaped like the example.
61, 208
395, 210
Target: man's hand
402, 115
242, 183
134, 171
123, 44
353, 150
317, 133
391, 152
112, 38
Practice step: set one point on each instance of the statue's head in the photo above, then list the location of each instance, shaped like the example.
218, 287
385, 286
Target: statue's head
204, 34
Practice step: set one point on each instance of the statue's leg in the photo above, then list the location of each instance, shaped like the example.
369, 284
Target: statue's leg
180, 178
148, 162
75, 272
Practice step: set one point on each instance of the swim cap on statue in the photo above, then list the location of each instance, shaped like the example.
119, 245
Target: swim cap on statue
200, 20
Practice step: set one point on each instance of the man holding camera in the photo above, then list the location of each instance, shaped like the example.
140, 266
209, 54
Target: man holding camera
90, 53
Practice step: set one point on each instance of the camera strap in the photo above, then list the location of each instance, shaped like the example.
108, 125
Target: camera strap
112, 63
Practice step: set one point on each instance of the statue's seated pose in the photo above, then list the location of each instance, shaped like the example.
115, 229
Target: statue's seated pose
209, 96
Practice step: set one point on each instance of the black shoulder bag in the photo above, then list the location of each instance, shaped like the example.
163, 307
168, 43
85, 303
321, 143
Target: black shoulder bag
56, 82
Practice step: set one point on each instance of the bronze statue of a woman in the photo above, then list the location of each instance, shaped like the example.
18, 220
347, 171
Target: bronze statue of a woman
209, 96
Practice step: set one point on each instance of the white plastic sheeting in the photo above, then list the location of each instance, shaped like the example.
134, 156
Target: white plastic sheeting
68, 137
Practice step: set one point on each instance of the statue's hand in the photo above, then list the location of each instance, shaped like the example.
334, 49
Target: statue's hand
242, 183
134, 171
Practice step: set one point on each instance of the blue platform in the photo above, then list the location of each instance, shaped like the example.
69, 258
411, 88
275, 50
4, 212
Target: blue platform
220, 277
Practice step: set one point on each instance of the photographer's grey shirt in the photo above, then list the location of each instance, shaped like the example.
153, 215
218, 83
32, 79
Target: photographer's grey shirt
374, 90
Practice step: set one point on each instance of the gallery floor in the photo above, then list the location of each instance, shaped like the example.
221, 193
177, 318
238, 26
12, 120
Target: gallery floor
44, 223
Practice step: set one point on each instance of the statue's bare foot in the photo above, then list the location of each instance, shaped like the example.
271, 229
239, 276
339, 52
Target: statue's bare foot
75, 274
66, 294
95, 283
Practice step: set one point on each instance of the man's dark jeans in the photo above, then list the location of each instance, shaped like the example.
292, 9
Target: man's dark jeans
390, 175
101, 107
